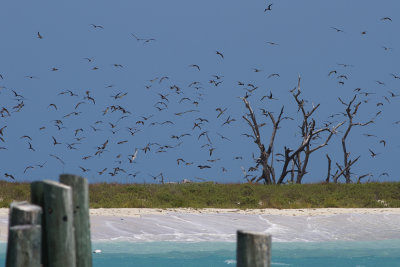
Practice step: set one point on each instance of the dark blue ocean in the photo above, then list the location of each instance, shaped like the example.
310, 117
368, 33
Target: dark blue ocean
310, 254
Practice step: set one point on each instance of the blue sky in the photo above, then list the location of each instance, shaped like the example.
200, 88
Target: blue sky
186, 33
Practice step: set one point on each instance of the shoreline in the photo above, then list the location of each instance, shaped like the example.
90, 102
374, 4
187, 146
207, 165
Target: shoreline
199, 225
137, 212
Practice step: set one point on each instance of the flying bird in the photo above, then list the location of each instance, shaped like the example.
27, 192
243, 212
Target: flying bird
268, 8
273, 75
219, 53
26, 136
195, 66
30, 146
382, 142
269, 97
31, 77
336, 29
52, 105
345, 65
386, 19
133, 157
393, 94
221, 111
41, 165
102, 171
7, 175
228, 121
89, 59
163, 78
331, 72
2, 129
395, 76
97, 26
27, 168
203, 167
57, 158
55, 141
84, 169
373, 154
39, 35
223, 137
137, 38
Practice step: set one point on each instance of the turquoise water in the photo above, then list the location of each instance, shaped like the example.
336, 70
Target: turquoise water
341, 253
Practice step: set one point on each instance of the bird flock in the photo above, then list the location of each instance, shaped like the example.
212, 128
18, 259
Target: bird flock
130, 132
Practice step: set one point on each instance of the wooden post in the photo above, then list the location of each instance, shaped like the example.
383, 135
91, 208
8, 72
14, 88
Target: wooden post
24, 246
24, 213
58, 215
37, 193
80, 199
37, 199
253, 249
24, 235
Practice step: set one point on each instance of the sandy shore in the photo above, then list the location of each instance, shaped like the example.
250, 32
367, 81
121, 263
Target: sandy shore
197, 225
282, 212
136, 212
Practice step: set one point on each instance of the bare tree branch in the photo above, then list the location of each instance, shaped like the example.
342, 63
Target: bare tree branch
362, 176
308, 133
345, 169
333, 131
351, 112
268, 173
329, 169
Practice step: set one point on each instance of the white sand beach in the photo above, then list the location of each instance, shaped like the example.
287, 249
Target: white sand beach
134, 212
195, 225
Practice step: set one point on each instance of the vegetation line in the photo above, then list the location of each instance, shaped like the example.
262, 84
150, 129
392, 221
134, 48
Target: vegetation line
243, 196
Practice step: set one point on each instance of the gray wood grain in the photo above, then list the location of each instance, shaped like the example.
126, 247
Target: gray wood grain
80, 199
58, 214
253, 249
24, 246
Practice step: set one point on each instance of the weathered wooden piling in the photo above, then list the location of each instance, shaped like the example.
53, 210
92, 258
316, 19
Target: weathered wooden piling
24, 235
80, 200
37, 199
58, 217
24, 213
37, 193
24, 246
253, 249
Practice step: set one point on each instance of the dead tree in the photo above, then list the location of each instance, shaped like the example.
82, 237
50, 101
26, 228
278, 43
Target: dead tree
351, 112
268, 172
304, 148
308, 134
